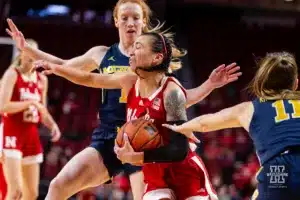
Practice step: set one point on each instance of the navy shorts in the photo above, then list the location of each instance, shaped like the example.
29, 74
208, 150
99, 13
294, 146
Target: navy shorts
279, 178
114, 166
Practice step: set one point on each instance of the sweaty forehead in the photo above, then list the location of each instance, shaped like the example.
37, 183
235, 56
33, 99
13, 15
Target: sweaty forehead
130, 9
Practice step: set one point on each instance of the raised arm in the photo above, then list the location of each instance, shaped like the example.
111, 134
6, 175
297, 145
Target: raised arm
95, 80
236, 116
219, 77
6, 90
87, 62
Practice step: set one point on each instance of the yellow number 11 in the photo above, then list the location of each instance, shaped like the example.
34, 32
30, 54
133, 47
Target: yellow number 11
281, 114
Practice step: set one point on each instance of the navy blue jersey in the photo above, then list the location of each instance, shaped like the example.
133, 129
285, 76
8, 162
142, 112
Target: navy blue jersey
112, 109
274, 127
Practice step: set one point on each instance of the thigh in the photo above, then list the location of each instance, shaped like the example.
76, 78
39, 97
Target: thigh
12, 169
105, 147
30, 178
86, 169
137, 185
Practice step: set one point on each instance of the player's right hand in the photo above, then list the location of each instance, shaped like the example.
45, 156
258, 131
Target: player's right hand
16, 35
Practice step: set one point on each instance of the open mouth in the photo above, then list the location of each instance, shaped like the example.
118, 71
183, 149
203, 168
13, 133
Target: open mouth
130, 31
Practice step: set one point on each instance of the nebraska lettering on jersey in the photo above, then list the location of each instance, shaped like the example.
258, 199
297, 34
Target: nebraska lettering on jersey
26, 89
27, 94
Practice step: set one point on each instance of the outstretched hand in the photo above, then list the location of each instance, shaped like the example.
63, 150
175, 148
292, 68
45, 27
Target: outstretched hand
223, 75
182, 130
48, 67
16, 35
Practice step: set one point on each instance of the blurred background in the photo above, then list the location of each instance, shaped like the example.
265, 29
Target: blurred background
213, 31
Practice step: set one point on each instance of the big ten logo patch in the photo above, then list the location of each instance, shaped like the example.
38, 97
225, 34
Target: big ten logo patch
10, 142
277, 176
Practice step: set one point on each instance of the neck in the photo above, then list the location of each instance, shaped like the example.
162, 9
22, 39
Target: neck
149, 84
25, 70
125, 47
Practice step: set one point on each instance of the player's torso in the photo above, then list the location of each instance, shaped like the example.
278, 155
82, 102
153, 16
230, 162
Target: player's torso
275, 125
113, 102
150, 108
25, 88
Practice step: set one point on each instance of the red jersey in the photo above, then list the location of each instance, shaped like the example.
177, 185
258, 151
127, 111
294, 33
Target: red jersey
187, 178
20, 130
25, 89
151, 108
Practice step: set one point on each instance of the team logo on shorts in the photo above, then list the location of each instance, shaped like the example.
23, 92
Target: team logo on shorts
277, 176
10, 142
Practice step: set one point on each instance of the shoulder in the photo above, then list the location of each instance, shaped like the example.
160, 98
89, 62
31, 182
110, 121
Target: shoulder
10, 73
98, 50
173, 91
97, 53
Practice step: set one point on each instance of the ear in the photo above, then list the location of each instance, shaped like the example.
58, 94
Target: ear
116, 22
296, 84
158, 58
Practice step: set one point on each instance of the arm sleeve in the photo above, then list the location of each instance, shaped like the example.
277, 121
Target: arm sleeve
175, 151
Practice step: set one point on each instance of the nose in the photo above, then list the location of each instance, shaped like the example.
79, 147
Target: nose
130, 22
131, 53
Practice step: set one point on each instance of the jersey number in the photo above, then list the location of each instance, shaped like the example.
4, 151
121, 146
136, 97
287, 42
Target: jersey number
31, 115
281, 114
123, 97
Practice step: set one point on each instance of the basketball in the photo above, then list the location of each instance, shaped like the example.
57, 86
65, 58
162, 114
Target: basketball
142, 135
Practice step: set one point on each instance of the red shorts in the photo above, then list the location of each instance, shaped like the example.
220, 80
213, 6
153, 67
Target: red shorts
3, 186
186, 180
21, 142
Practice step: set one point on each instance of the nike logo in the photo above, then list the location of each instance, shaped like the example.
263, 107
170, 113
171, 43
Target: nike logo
111, 58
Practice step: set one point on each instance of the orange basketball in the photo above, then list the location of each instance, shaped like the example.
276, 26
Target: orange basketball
142, 135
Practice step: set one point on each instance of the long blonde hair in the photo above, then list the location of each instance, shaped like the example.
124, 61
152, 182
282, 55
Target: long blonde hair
276, 77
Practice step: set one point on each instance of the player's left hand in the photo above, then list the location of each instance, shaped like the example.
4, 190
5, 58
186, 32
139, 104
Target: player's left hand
47, 66
223, 75
55, 133
127, 154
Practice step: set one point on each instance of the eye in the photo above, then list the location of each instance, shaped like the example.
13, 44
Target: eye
124, 18
136, 17
137, 46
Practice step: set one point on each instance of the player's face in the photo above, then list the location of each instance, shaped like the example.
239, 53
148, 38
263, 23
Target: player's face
142, 55
130, 21
26, 62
